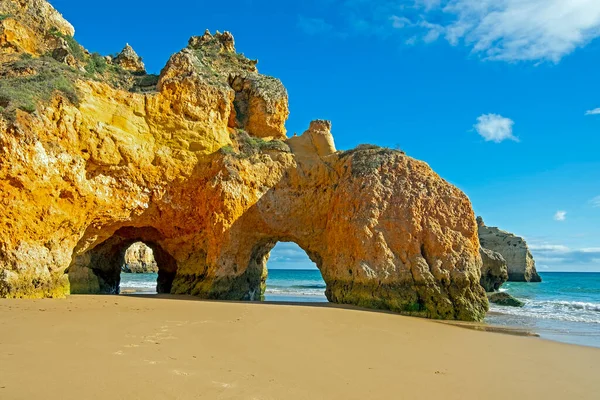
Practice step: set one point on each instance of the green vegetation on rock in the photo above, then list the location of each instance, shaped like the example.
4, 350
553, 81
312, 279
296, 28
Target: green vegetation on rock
4, 16
96, 64
249, 146
33, 287
367, 158
145, 83
33, 80
28, 81
76, 49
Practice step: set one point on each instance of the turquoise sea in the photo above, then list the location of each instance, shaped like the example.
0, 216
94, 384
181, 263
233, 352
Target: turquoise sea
565, 307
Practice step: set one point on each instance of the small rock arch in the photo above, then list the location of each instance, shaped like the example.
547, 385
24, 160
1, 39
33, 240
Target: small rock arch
98, 269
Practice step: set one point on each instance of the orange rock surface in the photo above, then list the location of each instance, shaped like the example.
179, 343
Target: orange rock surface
201, 170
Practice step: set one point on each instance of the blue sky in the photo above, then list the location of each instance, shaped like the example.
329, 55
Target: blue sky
500, 97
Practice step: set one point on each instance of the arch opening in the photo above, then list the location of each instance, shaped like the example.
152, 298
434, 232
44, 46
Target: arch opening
98, 270
287, 273
139, 270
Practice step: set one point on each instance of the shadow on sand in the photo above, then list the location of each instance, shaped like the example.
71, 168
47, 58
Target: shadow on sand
478, 326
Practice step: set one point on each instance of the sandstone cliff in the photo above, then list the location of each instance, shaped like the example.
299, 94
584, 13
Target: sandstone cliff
196, 164
520, 262
139, 259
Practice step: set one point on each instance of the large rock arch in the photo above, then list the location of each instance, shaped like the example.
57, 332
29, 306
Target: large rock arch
175, 167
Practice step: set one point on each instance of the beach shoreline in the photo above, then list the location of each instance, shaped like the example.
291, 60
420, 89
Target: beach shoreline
164, 346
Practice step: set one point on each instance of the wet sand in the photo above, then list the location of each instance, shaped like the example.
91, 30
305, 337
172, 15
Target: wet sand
99, 347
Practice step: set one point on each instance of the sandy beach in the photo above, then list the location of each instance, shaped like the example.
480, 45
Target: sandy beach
98, 347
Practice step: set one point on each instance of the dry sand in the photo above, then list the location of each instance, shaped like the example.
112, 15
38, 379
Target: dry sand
117, 347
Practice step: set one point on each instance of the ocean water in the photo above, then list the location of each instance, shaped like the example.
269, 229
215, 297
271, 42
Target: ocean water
564, 307
138, 283
295, 285
282, 285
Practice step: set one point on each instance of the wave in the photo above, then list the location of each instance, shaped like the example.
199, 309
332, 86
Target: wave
561, 310
571, 305
295, 291
309, 286
138, 284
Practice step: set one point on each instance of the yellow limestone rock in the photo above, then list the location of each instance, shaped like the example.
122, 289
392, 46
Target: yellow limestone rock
129, 60
30, 26
316, 141
201, 172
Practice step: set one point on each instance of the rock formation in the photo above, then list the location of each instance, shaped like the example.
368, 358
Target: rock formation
494, 271
520, 262
199, 168
129, 60
31, 27
139, 259
504, 299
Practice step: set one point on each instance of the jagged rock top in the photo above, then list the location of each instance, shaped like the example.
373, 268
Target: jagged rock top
218, 61
128, 59
30, 26
37, 13
260, 101
225, 40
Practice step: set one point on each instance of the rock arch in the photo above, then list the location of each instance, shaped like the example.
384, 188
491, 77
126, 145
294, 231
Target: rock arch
98, 166
257, 270
98, 269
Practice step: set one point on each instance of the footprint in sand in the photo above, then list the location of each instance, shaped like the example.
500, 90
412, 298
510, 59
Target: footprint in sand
224, 385
180, 373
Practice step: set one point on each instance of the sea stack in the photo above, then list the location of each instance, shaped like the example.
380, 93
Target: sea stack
519, 260
494, 271
199, 168
139, 259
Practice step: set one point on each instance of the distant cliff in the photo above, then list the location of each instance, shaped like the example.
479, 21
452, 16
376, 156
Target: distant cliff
519, 260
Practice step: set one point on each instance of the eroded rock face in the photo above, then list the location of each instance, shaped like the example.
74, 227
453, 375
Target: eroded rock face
31, 26
128, 59
202, 172
139, 259
519, 260
494, 271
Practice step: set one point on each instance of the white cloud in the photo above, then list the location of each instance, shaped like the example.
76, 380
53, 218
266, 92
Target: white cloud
434, 31
556, 248
595, 201
411, 41
560, 216
506, 30
495, 128
595, 111
558, 254
287, 255
516, 30
400, 22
